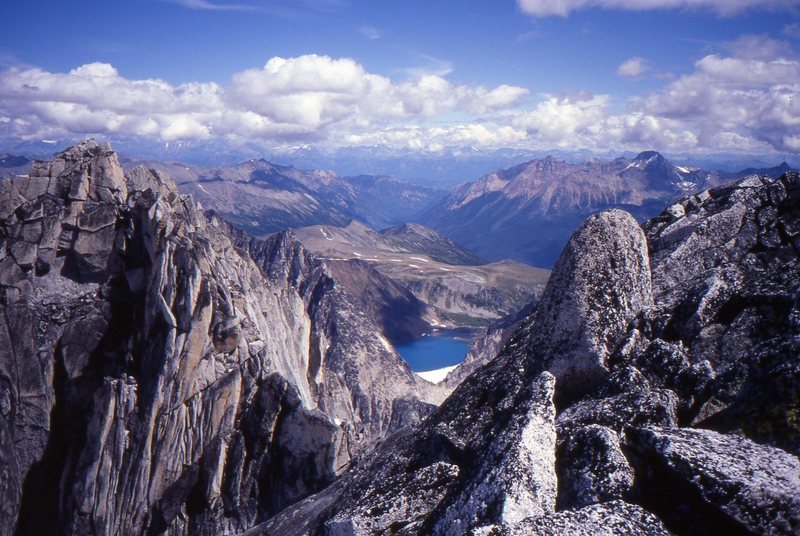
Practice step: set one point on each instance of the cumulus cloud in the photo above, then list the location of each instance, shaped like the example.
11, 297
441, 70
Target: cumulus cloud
562, 8
633, 67
747, 101
735, 98
312, 97
564, 121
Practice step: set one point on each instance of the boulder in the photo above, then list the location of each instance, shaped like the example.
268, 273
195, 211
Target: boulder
591, 467
727, 479
600, 282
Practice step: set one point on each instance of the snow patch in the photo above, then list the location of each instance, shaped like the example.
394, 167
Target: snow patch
435, 376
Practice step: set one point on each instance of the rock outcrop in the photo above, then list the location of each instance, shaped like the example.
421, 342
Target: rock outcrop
161, 372
154, 378
488, 454
671, 363
601, 281
729, 481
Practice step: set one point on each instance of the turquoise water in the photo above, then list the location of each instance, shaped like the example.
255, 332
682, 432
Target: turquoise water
434, 352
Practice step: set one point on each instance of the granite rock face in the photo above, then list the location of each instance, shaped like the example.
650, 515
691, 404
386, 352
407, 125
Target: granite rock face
155, 378
651, 338
724, 334
161, 372
735, 482
601, 280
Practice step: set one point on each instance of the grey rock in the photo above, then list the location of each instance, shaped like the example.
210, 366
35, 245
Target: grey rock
637, 407
591, 467
676, 211
614, 518
725, 279
599, 283
756, 488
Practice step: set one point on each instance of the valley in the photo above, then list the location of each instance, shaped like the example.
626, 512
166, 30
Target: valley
359, 268
232, 383
460, 295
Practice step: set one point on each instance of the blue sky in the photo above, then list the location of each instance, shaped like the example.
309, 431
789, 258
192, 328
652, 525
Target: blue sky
716, 76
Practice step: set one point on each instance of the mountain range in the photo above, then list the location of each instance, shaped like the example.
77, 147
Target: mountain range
162, 371
263, 198
439, 168
528, 212
524, 213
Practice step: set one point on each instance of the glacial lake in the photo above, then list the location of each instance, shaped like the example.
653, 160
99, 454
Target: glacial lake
434, 352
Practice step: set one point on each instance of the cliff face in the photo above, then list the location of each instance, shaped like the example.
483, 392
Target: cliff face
153, 377
653, 389
162, 373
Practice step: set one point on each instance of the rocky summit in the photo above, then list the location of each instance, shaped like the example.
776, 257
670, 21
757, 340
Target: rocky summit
652, 390
159, 374
162, 372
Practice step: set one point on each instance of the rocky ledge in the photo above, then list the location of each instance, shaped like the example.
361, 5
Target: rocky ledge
161, 375
652, 390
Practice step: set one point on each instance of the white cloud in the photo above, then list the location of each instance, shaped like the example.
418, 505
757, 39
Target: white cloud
760, 47
735, 98
562, 8
746, 101
566, 121
633, 67
206, 5
370, 32
310, 96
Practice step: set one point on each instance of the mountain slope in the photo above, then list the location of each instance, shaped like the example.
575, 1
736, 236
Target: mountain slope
415, 238
160, 374
411, 256
263, 198
528, 212
652, 390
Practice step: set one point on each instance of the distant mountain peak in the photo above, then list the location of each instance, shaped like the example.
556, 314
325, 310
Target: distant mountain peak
649, 155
